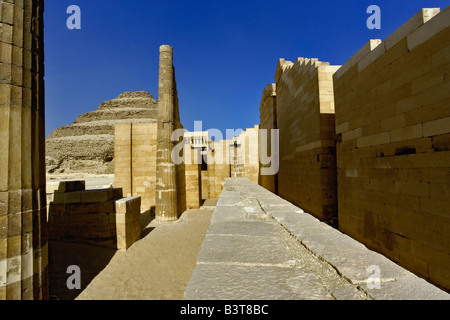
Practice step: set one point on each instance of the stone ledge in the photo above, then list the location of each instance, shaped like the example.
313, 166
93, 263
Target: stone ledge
246, 274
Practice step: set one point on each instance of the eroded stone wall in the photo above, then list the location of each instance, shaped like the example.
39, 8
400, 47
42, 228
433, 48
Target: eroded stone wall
393, 157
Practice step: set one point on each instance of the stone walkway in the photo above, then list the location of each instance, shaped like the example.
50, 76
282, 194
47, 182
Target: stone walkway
260, 246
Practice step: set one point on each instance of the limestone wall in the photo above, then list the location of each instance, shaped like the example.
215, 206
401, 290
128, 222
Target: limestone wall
135, 161
135, 167
305, 119
393, 119
268, 122
193, 179
249, 153
97, 217
23, 227
218, 167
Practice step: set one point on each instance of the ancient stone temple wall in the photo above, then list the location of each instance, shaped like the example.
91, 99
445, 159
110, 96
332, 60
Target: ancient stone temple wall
268, 122
249, 153
193, 182
305, 119
99, 217
218, 167
135, 161
393, 119
23, 225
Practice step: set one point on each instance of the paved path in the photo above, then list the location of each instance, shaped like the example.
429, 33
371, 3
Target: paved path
260, 246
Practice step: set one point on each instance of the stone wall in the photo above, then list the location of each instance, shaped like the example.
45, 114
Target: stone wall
305, 119
393, 119
135, 161
193, 180
96, 217
249, 153
268, 122
218, 167
23, 228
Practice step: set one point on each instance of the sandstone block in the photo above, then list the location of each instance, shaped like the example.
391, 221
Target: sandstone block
101, 195
67, 197
71, 186
436, 127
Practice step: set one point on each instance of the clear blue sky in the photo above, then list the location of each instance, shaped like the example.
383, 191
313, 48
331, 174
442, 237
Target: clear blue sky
225, 52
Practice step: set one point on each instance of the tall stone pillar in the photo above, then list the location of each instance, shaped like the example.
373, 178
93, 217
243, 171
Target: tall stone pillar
23, 223
166, 186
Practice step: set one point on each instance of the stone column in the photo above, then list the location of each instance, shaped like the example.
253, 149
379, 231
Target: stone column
166, 187
23, 223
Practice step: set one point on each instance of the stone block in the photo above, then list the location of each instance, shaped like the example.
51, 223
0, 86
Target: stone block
67, 197
410, 26
374, 140
101, 195
71, 186
436, 127
406, 133
128, 221
438, 23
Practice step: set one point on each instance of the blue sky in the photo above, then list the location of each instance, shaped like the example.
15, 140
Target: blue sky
225, 52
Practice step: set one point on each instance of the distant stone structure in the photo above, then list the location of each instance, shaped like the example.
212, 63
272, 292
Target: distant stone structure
87, 145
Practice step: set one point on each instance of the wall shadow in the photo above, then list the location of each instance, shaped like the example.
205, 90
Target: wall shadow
146, 218
91, 260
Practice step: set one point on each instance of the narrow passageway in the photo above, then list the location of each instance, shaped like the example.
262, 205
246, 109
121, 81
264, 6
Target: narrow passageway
249, 255
260, 246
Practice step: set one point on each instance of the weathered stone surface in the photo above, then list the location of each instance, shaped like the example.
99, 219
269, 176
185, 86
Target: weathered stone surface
247, 282
167, 186
87, 145
287, 253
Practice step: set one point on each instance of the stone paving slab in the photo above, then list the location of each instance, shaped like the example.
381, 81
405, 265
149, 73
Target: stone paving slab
252, 282
249, 228
246, 233
237, 248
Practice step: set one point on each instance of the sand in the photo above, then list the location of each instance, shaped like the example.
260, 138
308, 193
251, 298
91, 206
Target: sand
158, 267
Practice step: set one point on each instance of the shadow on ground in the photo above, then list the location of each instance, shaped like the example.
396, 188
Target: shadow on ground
91, 260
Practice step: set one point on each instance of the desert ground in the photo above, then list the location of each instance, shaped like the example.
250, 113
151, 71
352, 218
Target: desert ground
158, 267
